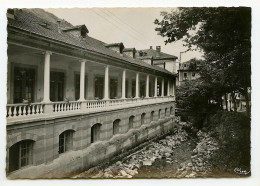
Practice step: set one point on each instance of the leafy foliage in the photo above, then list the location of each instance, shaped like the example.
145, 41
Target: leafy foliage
223, 34
232, 130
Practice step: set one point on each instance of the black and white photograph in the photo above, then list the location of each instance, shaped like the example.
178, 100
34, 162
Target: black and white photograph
128, 93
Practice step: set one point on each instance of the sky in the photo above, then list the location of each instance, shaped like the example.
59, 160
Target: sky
132, 26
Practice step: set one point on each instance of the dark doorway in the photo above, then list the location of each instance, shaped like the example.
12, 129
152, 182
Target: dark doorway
24, 84
57, 86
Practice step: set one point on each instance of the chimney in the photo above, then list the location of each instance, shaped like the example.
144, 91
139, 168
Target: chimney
59, 25
151, 47
158, 51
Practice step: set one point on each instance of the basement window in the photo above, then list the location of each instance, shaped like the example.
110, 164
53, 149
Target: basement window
159, 114
95, 132
165, 114
151, 117
116, 126
65, 141
142, 118
20, 155
131, 122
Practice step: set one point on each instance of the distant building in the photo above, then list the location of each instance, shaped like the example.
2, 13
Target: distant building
188, 71
158, 58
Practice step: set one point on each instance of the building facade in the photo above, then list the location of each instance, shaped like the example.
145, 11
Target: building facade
74, 101
187, 71
158, 58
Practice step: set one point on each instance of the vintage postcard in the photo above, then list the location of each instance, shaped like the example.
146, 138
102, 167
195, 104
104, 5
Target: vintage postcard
128, 93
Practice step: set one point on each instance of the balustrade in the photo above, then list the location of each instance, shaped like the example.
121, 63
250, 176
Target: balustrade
66, 106
33, 109
22, 110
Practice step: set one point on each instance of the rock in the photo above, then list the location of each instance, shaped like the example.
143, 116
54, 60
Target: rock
147, 162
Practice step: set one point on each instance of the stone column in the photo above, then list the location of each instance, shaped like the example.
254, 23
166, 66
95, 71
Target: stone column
162, 91
137, 85
168, 88
123, 84
46, 88
82, 80
147, 86
106, 90
155, 86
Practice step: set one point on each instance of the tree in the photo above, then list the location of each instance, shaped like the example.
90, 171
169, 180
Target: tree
223, 34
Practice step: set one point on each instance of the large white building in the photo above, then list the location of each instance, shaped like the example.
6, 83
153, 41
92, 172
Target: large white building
73, 101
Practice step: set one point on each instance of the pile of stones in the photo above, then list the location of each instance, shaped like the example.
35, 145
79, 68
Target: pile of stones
130, 165
199, 165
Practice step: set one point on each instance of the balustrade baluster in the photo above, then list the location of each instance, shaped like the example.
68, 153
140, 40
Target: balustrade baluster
40, 109
20, 111
36, 109
24, 110
10, 112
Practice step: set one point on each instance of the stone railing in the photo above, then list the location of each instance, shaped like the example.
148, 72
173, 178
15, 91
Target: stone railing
66, 106
34, 109
90, 104
23, 110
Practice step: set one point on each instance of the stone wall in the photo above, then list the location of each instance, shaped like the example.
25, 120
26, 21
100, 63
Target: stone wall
48, 163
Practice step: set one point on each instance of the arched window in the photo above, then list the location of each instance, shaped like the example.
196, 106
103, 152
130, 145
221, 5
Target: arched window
159, 114
65, 141
142, 118
95, 132
116, 126
131, 122
151, 117
165, 113
20, 155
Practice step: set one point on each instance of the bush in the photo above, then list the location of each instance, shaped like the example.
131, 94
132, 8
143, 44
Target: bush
232, 130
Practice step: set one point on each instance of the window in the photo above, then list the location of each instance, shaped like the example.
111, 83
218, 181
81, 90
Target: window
77, 86
142, 88
24, 84
159, 114
165, 88
165, 114
57, 86
131, 122
95, 132
126, 88
133, 88
142, 118
151, 91
193, 74
99, 87
185, 76
65, 141
185, 65
151, 117
20, 155
116, 126
113, 88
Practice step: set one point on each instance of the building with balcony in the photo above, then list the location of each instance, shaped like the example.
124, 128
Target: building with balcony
74, 101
